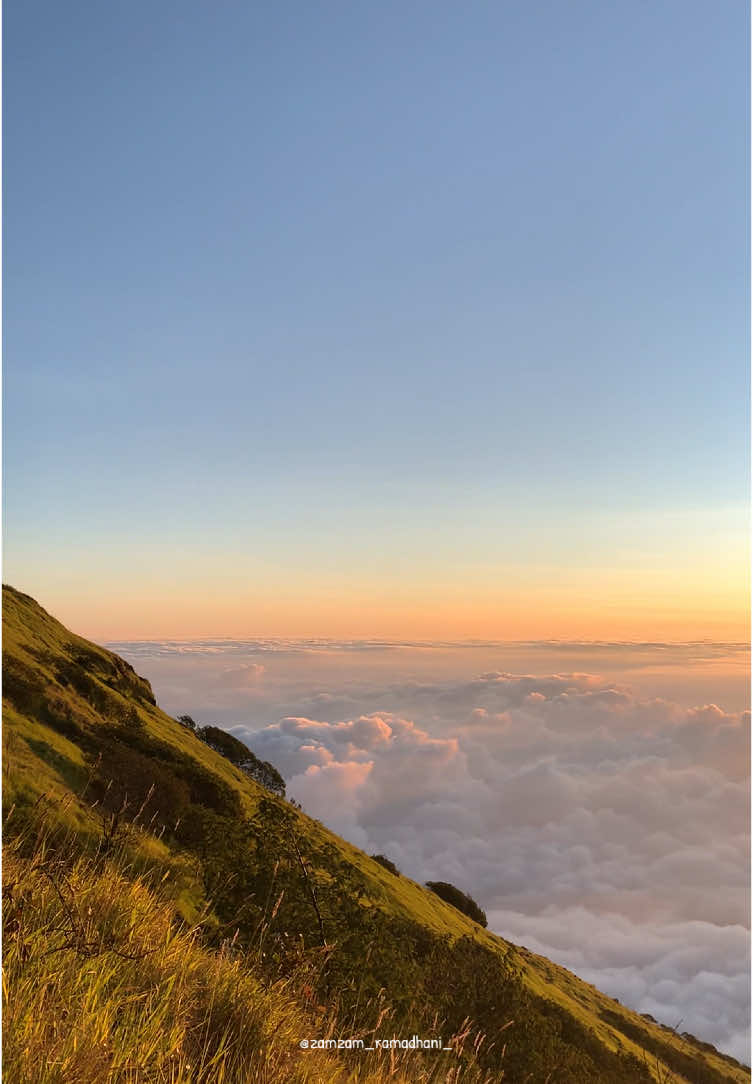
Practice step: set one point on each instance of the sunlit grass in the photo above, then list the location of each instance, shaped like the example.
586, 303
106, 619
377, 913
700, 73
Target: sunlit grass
103, 983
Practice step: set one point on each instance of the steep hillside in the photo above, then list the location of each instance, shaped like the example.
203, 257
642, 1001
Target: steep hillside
154, 863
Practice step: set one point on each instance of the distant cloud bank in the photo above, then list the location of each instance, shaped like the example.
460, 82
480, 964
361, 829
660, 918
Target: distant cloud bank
146, 649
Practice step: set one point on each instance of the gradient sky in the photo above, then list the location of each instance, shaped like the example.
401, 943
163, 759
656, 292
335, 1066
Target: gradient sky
420, 319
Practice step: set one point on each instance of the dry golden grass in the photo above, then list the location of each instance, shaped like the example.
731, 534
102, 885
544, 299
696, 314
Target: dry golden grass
103, 984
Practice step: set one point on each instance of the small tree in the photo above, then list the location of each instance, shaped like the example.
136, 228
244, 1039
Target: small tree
187, 721
264, 773
131, 718
261, 771
457, 899
224, 743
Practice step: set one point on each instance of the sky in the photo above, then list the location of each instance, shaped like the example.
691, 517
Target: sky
593, 798
393, 320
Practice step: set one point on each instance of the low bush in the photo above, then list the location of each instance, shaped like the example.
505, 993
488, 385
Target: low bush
384, 861
459, 900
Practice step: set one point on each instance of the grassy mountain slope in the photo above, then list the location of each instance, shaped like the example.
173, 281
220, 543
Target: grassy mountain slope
219, 882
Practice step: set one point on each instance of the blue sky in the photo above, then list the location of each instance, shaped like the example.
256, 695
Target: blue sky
289, 288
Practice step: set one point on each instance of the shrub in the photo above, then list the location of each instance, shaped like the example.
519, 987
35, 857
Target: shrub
130, 717
205, 786
261, 771
384, 861
264, 773
457, 899
224, 743
126, 779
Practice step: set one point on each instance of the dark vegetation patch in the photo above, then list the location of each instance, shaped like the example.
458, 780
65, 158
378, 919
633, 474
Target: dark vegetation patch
148, 755
128, 782
692, 1068
222, 742
110, 670
104, 699
23, 688
708, 1048
261, 771
383, 860
459, 900
73, 774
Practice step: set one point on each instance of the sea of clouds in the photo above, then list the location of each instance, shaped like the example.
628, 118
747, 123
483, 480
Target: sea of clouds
595, 819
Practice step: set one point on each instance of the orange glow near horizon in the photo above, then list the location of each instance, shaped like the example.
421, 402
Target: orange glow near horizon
583, 605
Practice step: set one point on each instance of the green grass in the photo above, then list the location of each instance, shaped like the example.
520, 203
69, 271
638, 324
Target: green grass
101, 983
244, 865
